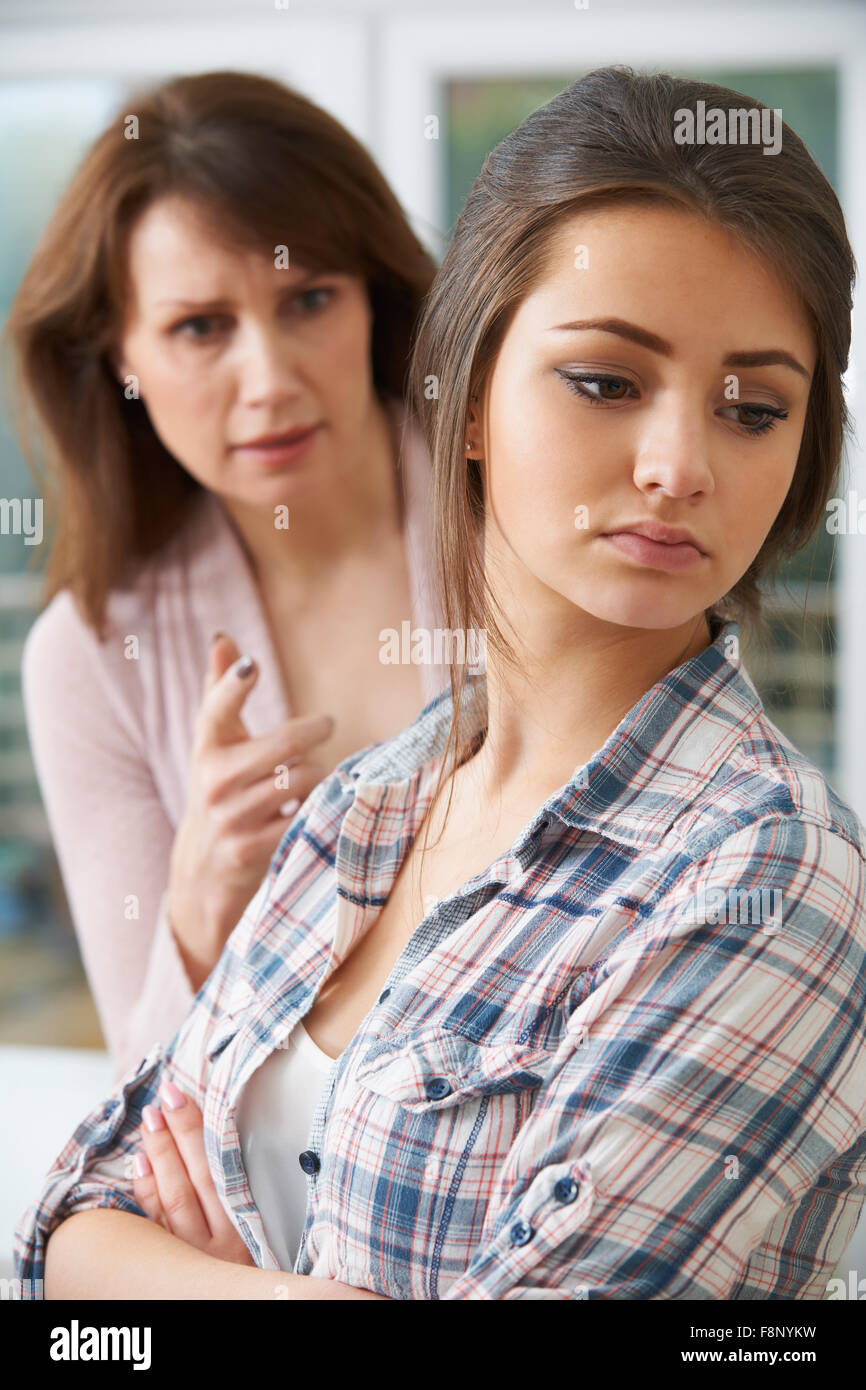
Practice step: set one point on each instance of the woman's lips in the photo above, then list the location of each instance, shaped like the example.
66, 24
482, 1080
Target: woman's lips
278, 454
663, 557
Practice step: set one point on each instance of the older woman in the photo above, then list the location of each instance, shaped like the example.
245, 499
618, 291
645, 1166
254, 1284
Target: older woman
214, 333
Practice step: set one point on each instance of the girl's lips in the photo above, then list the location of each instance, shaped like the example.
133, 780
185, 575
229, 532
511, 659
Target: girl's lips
663, 557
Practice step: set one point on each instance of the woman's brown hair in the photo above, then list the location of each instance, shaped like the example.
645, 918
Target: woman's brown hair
610, 135
268, 168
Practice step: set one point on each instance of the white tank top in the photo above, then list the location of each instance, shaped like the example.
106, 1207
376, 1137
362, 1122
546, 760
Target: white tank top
274, 1117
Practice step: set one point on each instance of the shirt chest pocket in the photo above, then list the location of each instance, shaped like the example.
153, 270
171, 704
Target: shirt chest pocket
419, 1131
435, 1068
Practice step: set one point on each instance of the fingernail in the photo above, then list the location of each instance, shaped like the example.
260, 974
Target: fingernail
173, 1098
216, 637
141, 1164
289, 808
244, 667
152, 1117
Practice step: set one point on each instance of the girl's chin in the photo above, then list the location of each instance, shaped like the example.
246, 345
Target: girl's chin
639, 611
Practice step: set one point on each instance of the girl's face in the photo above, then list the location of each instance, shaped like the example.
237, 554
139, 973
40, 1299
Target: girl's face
659, 375
228, 347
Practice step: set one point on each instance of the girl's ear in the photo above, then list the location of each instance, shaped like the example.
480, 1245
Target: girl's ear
474, 443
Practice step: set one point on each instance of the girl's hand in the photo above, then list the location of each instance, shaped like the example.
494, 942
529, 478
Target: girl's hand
238, 808
173, 1184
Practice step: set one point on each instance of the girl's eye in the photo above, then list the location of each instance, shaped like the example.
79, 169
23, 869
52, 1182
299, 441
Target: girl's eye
770, 413
610, 387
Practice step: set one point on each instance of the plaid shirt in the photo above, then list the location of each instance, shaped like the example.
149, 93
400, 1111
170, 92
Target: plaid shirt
628, 1060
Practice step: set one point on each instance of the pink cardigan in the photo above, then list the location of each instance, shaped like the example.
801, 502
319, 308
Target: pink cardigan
111, 739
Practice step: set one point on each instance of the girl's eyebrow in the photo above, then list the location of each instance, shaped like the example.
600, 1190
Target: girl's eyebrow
763, 357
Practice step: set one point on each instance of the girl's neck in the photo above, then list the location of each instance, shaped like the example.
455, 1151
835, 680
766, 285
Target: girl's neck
562, 705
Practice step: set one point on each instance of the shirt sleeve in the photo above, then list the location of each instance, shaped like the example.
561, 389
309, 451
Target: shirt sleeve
709, 1078
93, 1169
110, 830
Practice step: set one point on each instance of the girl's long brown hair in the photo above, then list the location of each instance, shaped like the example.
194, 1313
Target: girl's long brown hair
268, 168
610, 136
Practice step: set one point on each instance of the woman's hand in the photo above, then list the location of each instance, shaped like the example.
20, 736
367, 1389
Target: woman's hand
172, 1182
237, 809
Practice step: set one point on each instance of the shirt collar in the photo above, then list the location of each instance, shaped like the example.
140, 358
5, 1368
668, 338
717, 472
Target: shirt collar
652, 766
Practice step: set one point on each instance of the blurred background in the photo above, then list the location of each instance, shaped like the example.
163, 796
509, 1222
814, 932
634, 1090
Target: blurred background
384, 67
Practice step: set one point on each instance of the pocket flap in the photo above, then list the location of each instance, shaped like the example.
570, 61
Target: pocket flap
436, 1067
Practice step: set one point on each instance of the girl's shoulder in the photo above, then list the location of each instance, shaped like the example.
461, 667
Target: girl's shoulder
767, 800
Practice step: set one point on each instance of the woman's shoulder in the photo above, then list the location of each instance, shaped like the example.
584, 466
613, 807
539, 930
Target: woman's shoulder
62, 629
72, 681
63, 649
60, 639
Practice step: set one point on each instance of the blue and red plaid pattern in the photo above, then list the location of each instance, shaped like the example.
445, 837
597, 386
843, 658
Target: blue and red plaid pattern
628, 1060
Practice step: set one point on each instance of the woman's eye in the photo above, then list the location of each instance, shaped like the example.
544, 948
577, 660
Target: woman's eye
768, 415
311, 300
199, 327
611, 389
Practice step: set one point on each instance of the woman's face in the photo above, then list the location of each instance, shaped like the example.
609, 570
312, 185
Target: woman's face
674, 406
228, 347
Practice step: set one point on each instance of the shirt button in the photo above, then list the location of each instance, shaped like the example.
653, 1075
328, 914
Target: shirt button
565, 1190
309, 1161
384, 995
520, 1233
437, 1087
